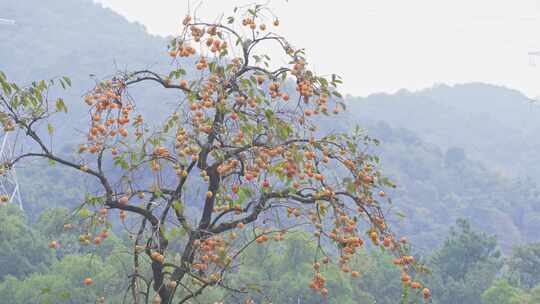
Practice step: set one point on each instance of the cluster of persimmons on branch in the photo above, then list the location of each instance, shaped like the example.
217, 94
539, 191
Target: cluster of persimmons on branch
239, 161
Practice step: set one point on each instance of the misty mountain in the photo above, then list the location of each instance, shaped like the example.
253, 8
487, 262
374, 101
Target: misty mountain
493, 124
455, 151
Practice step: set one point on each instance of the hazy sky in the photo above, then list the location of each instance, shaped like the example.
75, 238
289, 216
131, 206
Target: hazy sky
382, 45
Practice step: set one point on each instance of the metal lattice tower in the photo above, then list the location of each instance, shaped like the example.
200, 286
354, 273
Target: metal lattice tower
9, 184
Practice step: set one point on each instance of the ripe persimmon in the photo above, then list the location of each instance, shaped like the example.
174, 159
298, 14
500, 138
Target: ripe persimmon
183, 84
88, 281
123, 200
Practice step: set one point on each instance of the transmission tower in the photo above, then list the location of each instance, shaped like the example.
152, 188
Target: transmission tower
9, 185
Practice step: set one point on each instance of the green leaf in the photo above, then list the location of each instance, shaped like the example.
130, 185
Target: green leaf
173, 232
50, 128
61, 105
84, 212
6, 87
242, 195
401, 214
178, 206
67, 80
121, 162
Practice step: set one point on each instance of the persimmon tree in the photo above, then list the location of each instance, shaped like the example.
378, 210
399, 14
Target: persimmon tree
244, 133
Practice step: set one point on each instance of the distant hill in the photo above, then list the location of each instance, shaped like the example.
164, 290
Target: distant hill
437, 185
77, 38
495, 183
495, 125
467, 150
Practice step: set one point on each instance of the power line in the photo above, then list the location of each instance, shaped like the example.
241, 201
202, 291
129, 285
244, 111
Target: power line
4, 21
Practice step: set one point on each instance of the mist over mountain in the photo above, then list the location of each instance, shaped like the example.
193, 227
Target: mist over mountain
493, 127
77, 38
462, 151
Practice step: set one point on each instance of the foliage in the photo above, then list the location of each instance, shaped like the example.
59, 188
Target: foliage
491, 187
23, 251
62, 282
465, 266
287, 270
433, 193
277, 272
32, 273
501, 292
525, 264
238, 151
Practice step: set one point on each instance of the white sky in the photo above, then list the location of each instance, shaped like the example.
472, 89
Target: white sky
383, 45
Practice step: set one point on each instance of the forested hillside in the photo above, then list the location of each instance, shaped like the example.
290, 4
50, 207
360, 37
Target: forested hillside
466, 268
465, 151
465, 116
458, 151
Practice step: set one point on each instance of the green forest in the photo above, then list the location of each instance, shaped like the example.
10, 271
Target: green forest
467, 267
462, 164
